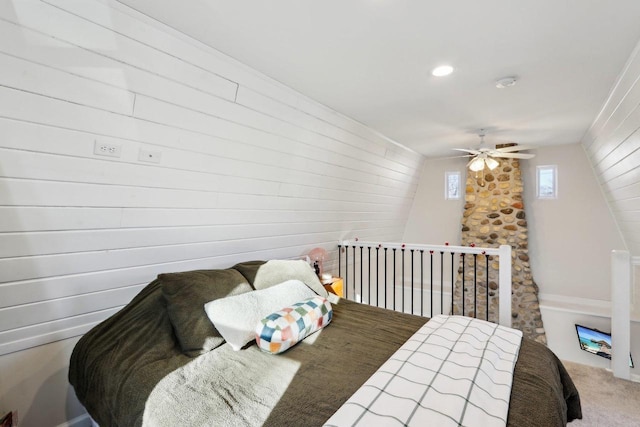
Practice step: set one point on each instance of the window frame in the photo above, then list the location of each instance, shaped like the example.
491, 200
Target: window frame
540, 193
447, 182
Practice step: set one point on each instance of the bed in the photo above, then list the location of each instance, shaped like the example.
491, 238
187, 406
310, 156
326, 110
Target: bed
160, 361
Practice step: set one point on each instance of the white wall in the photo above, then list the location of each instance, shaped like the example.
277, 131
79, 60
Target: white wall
37, 383
434, 220
249, 169
562, 338
570, 238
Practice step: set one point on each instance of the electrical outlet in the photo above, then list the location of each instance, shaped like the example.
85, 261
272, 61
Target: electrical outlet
104, 149
149, 156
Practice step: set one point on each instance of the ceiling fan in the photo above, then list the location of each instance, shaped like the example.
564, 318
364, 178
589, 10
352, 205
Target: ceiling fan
484, 156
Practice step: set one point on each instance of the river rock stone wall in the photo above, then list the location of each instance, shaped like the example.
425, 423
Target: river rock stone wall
494, 215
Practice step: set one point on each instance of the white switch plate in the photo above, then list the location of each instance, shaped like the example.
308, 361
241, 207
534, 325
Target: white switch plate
149, 156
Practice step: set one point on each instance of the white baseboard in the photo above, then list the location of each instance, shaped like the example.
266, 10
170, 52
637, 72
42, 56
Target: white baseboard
633, 377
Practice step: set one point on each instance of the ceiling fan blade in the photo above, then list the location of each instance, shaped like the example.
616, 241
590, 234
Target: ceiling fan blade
513, 148
513, 155
454, 157
466, 150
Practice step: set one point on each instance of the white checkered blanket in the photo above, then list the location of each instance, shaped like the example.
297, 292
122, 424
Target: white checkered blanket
454, 371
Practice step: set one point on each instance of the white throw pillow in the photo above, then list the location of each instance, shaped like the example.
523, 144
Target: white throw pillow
277, 271
236, 317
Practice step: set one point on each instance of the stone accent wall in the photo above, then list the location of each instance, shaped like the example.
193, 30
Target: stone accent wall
494, 215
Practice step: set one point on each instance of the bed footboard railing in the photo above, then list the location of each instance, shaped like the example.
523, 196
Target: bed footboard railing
421, 279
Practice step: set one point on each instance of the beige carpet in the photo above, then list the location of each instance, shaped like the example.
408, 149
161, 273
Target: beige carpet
606, 401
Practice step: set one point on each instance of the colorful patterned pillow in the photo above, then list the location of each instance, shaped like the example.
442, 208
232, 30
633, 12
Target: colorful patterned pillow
285, 328
235, 317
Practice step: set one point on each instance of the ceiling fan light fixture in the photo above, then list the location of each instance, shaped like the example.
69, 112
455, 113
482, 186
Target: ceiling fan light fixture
492, 163
477, 164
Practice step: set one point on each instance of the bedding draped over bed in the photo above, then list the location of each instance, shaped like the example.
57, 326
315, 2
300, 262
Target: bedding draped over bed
130, 371
453, 371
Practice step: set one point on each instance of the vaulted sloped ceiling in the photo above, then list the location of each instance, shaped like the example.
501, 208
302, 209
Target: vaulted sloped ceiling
612, 144
371, 60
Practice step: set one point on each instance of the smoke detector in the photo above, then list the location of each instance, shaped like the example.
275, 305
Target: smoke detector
506, 82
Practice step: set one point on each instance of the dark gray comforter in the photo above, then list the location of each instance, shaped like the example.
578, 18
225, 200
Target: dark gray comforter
132, 361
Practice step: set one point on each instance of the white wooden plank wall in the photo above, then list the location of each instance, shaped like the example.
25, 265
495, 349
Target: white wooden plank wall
613, 147
249, 169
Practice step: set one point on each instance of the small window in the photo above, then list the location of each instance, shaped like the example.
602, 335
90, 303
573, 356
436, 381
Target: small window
452, 186
547, 180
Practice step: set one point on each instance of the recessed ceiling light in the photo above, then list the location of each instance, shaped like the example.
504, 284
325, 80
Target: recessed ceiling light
443, 70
